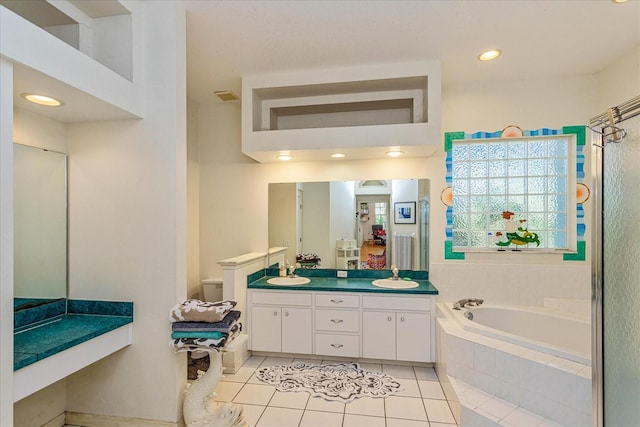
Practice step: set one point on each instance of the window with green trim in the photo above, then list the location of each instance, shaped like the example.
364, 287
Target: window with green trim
514, 193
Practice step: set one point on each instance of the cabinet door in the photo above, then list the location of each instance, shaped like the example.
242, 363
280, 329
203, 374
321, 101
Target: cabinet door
297, 332
413, 335
379, 335
266, 333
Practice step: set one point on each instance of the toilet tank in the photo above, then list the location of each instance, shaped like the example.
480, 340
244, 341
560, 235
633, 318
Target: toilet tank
212, 290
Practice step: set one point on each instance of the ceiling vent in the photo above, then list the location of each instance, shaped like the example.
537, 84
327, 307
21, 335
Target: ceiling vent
227, 95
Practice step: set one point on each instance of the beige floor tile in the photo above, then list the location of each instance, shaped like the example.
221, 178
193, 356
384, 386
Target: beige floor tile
241, 375
272, 361
409, 408
252, 413
292, 400
255, 380
428, 374
366, 406
321, 419
280, 417
255, 394
431, 390
396, 422
432, 424
399, 371
351, 420
374, 367
438, 411
309, 361
320, 404
410, 388
226, 391
254, 361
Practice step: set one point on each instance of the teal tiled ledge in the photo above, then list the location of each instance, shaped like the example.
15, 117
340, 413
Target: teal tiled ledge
357, 281
43, 331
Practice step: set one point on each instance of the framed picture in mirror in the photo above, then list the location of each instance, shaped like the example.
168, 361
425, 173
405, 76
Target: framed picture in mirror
404, 213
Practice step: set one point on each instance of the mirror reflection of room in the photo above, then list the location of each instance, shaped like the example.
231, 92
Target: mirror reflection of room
40, 225
350, 224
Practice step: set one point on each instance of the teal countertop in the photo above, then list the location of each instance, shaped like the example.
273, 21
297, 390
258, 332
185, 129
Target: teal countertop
36, 338
346, 285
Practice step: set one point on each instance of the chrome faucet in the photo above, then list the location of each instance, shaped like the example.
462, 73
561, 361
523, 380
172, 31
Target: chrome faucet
395, 271
459, 305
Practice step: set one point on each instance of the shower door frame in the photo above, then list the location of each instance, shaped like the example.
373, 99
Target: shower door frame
597, 367
615, 115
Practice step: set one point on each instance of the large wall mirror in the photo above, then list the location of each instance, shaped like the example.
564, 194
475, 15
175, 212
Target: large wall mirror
367, 224
40, 225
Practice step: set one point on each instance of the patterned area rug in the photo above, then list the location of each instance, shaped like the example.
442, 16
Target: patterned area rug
343, 382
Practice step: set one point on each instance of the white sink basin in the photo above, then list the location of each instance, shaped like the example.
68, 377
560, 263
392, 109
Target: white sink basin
288, 281
395, 284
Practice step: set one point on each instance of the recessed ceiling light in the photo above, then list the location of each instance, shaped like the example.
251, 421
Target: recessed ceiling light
284, 157
395, 153
41, 99
338, 155
619, 1
489, 55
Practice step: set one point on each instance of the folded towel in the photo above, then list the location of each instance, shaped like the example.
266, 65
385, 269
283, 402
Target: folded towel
222, 326
194, 310
198, 334
192, 344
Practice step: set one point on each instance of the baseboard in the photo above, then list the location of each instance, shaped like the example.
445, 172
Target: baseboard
58, 421
90, 420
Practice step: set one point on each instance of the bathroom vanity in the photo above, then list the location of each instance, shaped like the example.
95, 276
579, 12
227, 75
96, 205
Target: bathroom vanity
339, 317
56, 339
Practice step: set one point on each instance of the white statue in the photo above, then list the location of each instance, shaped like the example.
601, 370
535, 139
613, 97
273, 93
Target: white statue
200, 409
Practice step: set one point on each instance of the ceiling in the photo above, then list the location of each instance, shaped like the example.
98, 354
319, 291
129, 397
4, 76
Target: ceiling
539, 38
229, 39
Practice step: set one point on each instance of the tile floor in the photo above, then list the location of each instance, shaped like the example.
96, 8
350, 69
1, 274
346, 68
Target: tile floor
421, 404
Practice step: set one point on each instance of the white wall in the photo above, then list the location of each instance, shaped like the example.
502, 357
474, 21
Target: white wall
340, 216
619, 82
194, 288
530, 104
316, 224
283, 212
128, 229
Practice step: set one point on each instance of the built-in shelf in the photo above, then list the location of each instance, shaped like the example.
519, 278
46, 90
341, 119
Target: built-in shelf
362, 112
93, 74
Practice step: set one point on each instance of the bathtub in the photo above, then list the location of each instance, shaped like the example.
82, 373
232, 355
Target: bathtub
530, 359
537, 328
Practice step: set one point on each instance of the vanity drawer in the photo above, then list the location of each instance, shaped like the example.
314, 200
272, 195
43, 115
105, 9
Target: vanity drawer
281, 298
397, 303
338, 345
337, 300
337, 320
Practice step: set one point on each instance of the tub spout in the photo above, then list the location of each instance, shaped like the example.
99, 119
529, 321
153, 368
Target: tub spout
459, 305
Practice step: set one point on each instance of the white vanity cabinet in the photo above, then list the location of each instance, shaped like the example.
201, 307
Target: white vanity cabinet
397, 327
337, 324
342, 324
280, 322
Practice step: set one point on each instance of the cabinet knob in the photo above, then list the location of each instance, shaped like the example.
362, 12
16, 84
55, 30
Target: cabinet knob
286, 314
402, 319
275, 313
336, 301
389, 319
337, 345
337, 320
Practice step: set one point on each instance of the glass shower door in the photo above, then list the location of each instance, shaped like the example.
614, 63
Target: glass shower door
620, 263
